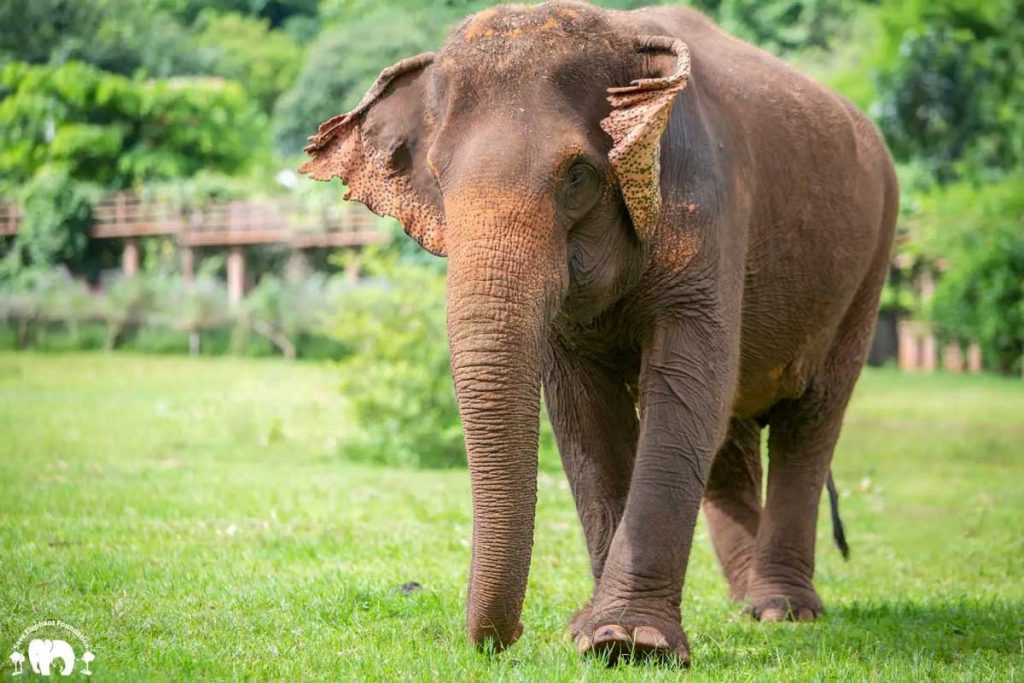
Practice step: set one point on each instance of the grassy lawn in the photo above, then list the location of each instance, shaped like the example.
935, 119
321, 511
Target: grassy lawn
197, 519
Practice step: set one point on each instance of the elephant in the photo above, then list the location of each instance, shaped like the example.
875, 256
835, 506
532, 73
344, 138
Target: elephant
41, 654
676, 237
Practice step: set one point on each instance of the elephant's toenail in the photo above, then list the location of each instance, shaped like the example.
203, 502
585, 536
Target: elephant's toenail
647, 636
806, 615
583, 644
610, 632
773, 614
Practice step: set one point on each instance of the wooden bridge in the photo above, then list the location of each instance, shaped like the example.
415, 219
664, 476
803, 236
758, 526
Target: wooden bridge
232, 224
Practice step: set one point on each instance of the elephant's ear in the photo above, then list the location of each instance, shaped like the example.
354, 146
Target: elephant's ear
379, 150
640, 113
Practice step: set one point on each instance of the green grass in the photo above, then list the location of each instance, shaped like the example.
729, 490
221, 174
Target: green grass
196, 519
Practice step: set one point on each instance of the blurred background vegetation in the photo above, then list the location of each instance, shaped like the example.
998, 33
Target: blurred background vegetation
206, 100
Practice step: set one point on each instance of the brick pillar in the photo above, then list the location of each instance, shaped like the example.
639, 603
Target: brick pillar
929, 347
352, 272
236, 274
974, 358
953, 357
929, 352
130, 257
909, 346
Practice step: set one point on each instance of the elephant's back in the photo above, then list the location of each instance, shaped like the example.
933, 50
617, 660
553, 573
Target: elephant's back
820, 189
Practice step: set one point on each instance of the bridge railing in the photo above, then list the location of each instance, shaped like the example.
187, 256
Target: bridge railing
229, 223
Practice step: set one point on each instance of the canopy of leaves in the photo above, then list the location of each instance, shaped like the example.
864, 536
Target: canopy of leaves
951, 94
245, 49
120, 132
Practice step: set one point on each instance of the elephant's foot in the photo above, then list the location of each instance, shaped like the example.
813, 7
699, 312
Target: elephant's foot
784, 603
580, 621
621, 637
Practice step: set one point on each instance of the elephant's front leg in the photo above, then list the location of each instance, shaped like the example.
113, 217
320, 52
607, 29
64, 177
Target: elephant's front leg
593, 414
686, 385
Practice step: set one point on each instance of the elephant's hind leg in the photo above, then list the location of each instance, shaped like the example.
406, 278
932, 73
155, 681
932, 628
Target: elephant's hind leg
732, 503
802, 435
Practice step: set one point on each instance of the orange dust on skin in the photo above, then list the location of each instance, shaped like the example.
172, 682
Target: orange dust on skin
679, 252
476, 26
776, 372
486, 23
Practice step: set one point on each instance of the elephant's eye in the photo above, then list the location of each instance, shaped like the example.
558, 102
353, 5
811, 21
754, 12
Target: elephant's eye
580, 190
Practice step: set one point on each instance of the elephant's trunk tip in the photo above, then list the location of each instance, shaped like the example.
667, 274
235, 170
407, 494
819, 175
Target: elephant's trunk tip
489, 639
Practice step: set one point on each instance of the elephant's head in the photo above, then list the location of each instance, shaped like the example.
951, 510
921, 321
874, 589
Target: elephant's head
527, 151
42, 652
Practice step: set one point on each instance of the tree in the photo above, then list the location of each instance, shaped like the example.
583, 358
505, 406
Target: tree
121, 36
950, 94
244, 49
344, 61
119, 131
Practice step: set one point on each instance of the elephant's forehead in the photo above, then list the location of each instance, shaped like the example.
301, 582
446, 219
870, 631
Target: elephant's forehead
517, 41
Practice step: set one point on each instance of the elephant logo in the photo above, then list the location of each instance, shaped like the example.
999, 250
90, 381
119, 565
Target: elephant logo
47, 656
42, 653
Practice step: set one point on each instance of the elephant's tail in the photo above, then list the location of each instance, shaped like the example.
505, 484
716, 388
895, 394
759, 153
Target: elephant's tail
838, 532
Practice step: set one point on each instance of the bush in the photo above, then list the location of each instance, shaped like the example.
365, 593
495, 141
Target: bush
54, 226
975, 233
398, 378
281, 311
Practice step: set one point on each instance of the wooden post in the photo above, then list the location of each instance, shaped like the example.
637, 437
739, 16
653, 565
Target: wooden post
352, 272
130, 257
188, 264
236, 274
296, 268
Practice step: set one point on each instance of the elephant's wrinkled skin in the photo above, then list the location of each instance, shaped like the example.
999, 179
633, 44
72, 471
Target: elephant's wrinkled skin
670, 310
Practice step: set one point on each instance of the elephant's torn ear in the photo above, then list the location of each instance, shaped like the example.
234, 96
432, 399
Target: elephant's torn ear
379, 151
640, 113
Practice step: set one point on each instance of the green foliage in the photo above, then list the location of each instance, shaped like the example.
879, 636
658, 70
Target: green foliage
120, 36
120, 132
977, 234
950, 92
344, 61
398, 378
283, 310
783, 25
276, 12
158, 311
56, 212
246, 50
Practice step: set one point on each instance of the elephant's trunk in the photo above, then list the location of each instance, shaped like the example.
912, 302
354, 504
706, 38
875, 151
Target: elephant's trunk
497, 304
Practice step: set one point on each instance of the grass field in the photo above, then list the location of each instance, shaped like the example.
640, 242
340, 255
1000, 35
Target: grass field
196, 519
